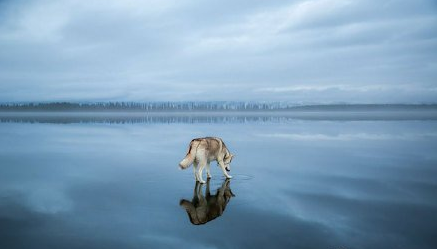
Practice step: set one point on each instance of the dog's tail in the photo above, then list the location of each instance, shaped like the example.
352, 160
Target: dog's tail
186, 162
189, 158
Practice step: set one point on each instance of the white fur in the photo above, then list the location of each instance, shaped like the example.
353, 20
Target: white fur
198, 156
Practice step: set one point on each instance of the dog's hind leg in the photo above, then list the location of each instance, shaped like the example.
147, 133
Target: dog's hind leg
200, 171
195, 170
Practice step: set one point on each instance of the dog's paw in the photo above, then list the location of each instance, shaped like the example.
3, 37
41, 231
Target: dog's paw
202, 182
229, 177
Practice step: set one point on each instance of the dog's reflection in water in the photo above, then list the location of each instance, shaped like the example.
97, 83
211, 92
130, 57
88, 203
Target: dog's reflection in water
203, 209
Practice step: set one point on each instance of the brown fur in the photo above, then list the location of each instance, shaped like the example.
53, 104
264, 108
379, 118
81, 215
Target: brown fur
202, 151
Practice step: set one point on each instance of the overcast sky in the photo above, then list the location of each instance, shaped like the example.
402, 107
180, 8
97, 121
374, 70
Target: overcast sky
315, 51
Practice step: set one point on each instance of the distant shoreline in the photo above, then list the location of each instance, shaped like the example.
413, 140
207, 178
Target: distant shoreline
213, 117
205, 107
211, 113
167, 113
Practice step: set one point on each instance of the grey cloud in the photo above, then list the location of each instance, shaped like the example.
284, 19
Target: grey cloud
165, 50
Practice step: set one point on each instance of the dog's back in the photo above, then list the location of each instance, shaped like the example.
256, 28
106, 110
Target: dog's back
207, 148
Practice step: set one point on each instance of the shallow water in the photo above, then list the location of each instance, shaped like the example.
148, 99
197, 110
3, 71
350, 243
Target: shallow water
317, 183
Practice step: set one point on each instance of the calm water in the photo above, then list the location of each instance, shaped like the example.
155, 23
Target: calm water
298, 183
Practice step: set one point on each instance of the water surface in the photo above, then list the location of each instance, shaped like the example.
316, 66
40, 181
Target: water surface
298, 182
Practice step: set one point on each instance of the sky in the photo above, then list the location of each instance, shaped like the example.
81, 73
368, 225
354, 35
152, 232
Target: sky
311, 51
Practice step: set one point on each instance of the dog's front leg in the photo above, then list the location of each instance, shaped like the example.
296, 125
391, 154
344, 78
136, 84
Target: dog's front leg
222, 166
208, 171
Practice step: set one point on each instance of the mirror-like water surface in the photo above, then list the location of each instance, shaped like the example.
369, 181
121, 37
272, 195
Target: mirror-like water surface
304, 183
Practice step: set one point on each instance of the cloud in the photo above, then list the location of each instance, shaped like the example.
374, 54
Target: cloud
165, 50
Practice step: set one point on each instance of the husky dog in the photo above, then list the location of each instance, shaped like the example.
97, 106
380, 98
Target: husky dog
204, 150
203, 209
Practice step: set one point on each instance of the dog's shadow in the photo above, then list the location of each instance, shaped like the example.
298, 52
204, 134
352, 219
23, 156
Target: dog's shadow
204, 208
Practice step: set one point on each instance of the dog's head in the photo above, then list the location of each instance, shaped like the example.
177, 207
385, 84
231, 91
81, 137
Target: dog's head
227, 160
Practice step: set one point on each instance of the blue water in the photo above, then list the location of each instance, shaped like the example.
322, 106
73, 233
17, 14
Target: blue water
296, 183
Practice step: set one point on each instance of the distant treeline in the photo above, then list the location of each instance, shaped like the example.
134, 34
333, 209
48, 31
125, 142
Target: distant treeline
204, 106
